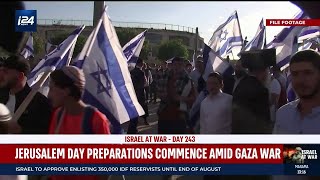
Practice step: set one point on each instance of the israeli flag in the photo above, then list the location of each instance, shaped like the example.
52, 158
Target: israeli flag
133, 48
227, 37
286, 43
309, 32
291, 95
258, 42
108, 82
215, 63
306, 45
56, 59
28, 48
49, 46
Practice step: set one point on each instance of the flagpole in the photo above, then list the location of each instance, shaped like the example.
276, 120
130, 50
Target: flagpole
71, 53
30, 96
239, 27
32, 93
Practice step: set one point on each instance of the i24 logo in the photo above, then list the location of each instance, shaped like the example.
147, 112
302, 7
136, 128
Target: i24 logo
25, 20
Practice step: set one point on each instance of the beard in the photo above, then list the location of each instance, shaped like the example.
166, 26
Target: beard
312, 94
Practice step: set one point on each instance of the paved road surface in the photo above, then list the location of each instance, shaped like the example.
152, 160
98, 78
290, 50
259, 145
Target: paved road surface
152, 128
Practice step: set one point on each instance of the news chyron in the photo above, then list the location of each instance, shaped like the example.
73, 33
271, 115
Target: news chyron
26, 21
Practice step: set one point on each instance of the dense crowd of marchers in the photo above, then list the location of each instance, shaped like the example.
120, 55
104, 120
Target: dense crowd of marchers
251, 107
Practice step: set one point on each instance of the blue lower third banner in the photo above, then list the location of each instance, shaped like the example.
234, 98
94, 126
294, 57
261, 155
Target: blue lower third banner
160, 169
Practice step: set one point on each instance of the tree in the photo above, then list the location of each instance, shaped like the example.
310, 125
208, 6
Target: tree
38, 44
145, 50
60, 37
172, 48
126, 34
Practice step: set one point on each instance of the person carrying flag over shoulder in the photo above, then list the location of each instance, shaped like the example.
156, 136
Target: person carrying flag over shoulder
72, 115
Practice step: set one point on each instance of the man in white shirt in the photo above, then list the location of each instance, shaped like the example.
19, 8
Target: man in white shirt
216, 108
274, 88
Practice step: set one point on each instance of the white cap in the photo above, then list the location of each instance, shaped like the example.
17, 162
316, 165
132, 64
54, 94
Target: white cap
4, 113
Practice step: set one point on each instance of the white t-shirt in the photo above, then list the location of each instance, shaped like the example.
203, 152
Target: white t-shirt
274, 88
216, 114
11, 104
195, 75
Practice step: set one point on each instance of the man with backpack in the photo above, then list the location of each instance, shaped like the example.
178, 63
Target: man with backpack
72, 115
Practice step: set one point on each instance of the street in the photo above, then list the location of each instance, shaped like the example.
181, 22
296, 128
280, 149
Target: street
152, 128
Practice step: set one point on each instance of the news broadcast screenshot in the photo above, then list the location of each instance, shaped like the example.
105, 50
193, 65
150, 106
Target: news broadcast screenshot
115, 90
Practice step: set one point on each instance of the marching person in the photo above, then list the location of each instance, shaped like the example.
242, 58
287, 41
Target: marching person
302, 115
177, 95
35, 119
139, 81
219, 120
72, 115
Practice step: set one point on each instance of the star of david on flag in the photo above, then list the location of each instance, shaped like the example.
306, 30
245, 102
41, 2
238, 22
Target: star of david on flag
108, 82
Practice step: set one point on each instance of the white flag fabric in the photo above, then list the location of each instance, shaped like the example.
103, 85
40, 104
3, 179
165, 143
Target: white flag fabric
227, 37
258, 42
309, 32
108, 82
307, 45
286, 42
28, 48
56, 59
49, 46
216, 64
133, 48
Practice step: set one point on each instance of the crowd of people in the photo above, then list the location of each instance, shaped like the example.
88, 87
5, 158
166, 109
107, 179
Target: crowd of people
244, 103
252, 101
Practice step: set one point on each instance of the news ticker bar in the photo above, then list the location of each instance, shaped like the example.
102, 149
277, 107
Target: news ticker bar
160, 139
292, 22
160, 169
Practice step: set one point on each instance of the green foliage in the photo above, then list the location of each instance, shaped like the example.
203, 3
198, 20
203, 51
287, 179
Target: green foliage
146, 48
38, 43
171, 48
126, 34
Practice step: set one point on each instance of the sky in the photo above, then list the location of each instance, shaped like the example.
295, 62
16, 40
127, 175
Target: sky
206, 15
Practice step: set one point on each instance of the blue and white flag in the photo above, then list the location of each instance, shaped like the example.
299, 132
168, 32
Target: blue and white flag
309, 44
227, 37
28, 48
108, 82
291, 95
56, 59
258, 42
49, 47
309, 32
215, 63
133, 48
286, 42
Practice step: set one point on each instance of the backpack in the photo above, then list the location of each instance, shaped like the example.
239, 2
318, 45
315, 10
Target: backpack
86, 119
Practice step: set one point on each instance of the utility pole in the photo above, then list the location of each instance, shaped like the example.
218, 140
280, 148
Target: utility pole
196, 41
97, 11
